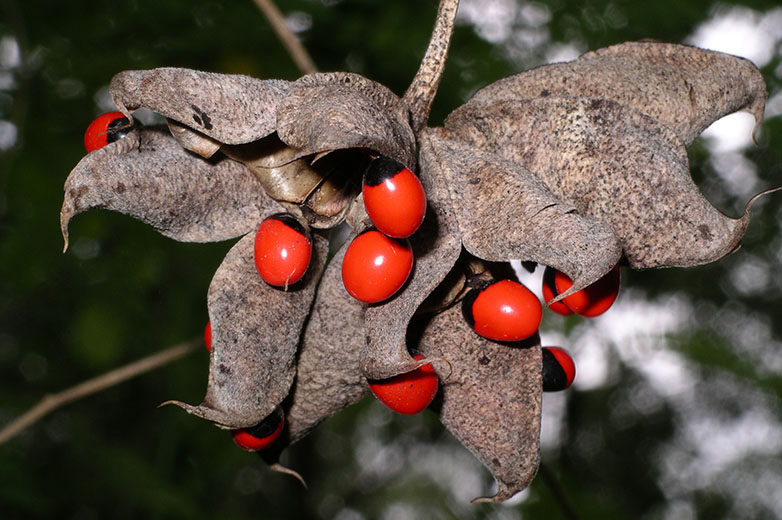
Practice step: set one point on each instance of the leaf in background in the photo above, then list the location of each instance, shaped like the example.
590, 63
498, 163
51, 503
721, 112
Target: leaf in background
256, 330
682, 87
612, 163
147, 175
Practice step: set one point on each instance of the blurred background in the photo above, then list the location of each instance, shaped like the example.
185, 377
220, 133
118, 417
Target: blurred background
675, 412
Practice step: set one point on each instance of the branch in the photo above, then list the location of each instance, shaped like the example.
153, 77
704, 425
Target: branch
286, 36
559, 494
51, 402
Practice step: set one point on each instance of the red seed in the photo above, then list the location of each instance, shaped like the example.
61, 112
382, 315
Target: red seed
208, 335
262, 435
375, 266
559, 370
393, 197
105, 129
408, 393
593, 300
283, 248
503, 311
550, 292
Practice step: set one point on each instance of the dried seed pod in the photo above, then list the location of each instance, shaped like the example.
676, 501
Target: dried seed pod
685, 88
614, 164
328, 377
231, 109
491, 399
143, 173
505, 212
256, 330
436, 247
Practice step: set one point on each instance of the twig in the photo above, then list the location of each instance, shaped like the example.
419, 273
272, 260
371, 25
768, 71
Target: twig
51, 402
559, 494
288, 39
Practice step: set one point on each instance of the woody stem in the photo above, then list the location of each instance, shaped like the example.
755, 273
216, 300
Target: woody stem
420, 94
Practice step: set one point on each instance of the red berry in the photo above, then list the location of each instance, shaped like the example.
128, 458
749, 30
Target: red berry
559, 370
407, 393
550, 292
208, 335
376, 266
502, 311
393, 197
283, 248
262, 435
593, 300
105, 129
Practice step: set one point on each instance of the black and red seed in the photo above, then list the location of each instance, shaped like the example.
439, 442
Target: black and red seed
393, 197
559, 369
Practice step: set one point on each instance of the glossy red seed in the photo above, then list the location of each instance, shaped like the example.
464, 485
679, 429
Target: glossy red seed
393, 197
104, 129
559, 370
550, 291
376, 266
407, 393
262, 435
503, 311
208, 335
283, 249
593, 300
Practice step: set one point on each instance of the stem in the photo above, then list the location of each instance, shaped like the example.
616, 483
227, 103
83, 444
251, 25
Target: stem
559, 494
289, 40
420, 94
51, 402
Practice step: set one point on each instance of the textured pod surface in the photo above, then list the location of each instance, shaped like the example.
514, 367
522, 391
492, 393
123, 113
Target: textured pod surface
328, 377
505, 212
436, 247
613, 164
682, 87
255, 334
231, 109
331, 111
143, 173
491, 400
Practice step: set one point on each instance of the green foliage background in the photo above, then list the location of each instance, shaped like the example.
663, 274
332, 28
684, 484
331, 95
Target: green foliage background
123, 292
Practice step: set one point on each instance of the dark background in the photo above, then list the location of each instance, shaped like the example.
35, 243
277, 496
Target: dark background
623, 444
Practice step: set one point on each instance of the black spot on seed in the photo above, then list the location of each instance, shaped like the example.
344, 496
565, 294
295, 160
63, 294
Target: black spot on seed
475, 180
484, 360
223, 368
120, 189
